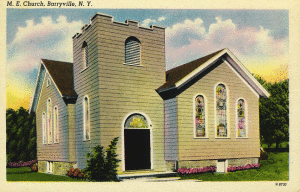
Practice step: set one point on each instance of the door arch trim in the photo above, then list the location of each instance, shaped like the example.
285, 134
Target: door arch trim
151, 139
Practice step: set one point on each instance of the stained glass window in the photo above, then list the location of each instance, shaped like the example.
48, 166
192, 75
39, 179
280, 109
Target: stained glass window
55, 125
44, 128
241, 128
221, 111
49, 121
132, 51
136, 121
86, 121
200, 116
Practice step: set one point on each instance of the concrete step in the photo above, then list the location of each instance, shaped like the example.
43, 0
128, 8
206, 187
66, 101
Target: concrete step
136, 175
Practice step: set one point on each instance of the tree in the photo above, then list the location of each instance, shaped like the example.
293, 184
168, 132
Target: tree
20, 135
274, 113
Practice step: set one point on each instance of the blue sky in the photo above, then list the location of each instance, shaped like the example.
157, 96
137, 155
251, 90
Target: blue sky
259, 38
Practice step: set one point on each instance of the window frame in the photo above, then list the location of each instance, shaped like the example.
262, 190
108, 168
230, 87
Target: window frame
205, 116
85, 55
48, 82
49, 122
84, 118
245, 117
44, 128
227, 111
55, 125
132, 38
49, 166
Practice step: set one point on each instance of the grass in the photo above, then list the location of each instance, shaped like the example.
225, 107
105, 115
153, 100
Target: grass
274, 169
25, 174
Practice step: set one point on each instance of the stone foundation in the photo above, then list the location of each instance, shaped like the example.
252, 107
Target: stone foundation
58, 168
205, 163
242, 162
171, 165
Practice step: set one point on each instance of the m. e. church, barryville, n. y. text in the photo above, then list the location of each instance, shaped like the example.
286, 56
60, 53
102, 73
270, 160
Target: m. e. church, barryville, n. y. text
203, 113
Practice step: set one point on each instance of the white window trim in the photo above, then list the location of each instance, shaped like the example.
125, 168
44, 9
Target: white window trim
49, 125
84, 128
206, 116
48, 81
227, 111
151, 138
44, 128
246, 118
55, 124
49, 166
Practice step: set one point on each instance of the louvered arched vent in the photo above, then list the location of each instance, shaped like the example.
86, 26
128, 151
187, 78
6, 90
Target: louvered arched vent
132, 51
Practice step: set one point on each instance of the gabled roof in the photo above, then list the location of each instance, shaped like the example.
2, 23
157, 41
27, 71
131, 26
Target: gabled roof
176, 74
179, 76
61, 74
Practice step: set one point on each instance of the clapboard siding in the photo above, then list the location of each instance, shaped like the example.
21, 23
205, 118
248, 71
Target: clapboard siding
116, 90
191, 148
127, 89
86, 82
171, 137
56, 151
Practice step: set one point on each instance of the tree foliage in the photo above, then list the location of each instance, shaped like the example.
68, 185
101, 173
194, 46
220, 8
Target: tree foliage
274, 113
101, 167
20, 135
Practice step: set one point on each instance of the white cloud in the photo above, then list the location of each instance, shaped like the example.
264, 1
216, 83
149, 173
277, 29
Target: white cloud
190, 40
51, 39
161, 19
182, 34
147, 22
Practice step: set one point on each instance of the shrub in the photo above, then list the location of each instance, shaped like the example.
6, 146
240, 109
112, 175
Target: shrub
101, 167
187, 171
20, 164
34, 167
263, 155
249, 166
77, 174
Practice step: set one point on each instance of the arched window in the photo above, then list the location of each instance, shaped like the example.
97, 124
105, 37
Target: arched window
86, 119
241, 118
200, 122
44, 129
85, 54
55, 124
48, 82
132, 51
221, 111
136, 121
49, 121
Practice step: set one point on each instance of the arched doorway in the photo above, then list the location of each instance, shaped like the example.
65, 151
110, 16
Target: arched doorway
137, 142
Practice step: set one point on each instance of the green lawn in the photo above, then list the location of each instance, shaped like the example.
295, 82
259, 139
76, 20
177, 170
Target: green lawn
25, 174
274, 169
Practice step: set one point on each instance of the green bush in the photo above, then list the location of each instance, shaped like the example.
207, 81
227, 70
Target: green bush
263, 155
101, 167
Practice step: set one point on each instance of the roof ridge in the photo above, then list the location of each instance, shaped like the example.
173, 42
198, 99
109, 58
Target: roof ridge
195, 60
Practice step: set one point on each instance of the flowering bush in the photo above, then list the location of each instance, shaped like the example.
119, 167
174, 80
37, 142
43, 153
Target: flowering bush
249, 166
34, 168
77, 174
186, 171
20, 164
